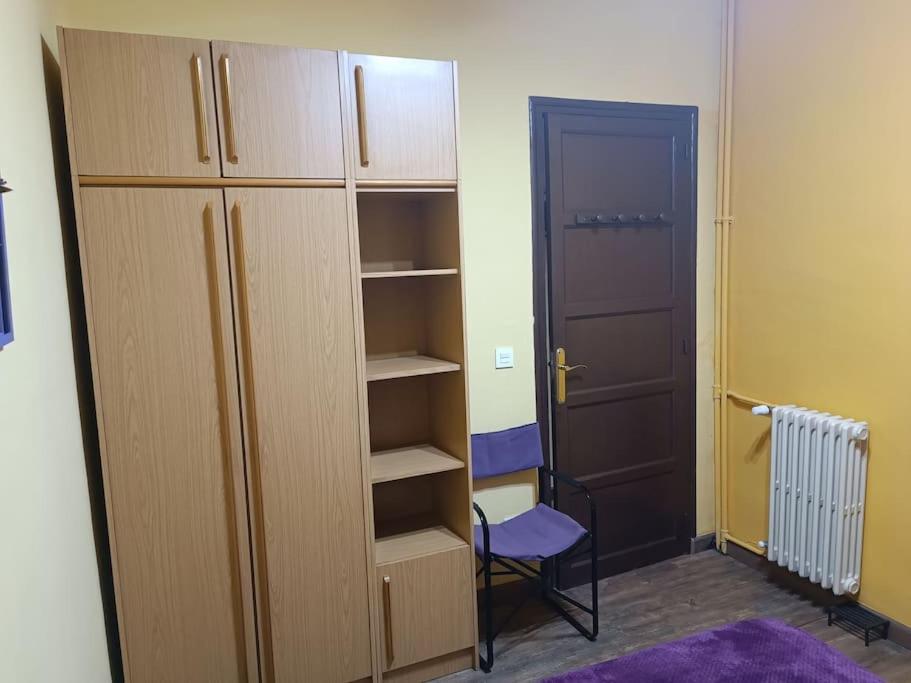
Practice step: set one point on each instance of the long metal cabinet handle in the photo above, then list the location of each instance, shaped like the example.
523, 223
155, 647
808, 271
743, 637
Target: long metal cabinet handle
230, 140
202, 118
361, 98
387, 620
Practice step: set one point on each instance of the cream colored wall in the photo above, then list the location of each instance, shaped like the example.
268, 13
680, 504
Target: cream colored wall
662, 51
820, 248
51, 624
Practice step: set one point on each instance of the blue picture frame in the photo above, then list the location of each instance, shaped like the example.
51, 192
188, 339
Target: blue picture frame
6, 309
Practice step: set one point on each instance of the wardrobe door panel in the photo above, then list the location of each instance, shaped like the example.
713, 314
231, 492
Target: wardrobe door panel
404, 111
296, 327
427, 607
280, 111
141, 105
157, 280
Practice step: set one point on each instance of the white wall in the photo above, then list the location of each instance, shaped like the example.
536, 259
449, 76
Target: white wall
51, 623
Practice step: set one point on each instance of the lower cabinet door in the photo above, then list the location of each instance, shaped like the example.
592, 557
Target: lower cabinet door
428, 608
295, 306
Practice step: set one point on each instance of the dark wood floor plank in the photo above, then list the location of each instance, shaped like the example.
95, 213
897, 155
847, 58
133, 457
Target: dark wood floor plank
663, 602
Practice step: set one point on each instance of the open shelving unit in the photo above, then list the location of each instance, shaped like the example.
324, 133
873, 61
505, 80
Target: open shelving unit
414, 339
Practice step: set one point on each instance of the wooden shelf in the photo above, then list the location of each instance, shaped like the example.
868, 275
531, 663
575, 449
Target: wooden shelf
417, 543
412, 185
407, 366
370, 275
402, 191
412, 461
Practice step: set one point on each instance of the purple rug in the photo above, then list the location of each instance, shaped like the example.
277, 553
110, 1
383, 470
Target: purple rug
755, 651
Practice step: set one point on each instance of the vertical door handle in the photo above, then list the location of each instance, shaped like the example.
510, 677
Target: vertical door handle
246, 351
202, 119
243, 306
230, 139
217, 329
361, 98
561, 369
387, 620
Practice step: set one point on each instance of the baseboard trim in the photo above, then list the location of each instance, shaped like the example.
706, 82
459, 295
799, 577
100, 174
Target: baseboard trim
899, 633
702, 542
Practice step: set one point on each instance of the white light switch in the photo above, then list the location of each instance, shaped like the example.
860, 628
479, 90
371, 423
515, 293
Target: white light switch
504, 357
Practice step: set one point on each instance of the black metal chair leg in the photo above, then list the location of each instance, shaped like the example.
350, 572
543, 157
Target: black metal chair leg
487, 662
594, 568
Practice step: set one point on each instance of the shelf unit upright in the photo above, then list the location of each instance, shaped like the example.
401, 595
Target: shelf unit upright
410, 266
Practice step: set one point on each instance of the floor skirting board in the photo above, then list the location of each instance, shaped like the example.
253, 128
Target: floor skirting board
899, 633
702, 542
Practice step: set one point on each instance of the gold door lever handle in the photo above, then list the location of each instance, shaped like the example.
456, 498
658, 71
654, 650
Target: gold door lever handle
562, 368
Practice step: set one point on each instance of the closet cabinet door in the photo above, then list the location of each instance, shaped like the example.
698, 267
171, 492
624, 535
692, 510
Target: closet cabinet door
157, 282
280, 111
295, 322
404, 111
141, 105
427, 607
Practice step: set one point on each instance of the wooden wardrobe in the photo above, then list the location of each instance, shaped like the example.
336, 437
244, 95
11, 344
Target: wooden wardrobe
271, 256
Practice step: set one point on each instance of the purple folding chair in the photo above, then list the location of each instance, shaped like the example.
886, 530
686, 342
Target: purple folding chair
542, 534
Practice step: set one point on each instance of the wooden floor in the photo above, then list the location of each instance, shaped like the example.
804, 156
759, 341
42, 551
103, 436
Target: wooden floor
664, 602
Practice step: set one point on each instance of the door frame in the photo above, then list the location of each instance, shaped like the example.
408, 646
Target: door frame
538, 109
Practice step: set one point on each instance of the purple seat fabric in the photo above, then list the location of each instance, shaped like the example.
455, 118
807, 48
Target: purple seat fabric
540, 533
506, 451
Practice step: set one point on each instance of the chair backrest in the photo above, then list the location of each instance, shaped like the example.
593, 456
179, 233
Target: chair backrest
506, 451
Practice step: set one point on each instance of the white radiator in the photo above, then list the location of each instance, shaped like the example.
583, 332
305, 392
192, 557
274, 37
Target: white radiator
816, 505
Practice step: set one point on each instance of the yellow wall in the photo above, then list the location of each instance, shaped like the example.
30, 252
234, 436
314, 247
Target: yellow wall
820, 290
660, 51
639, 50
51, 624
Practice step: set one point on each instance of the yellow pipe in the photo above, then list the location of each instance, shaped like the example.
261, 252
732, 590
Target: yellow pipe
749, 400
725, 283
716, 357
722, 279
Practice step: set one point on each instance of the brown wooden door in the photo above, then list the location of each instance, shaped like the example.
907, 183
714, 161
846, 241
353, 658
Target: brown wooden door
157, 280
405, 118
621, 209
279, 110
295, 322
141, 105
